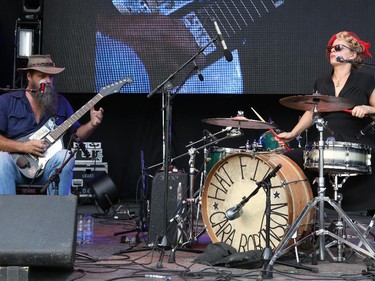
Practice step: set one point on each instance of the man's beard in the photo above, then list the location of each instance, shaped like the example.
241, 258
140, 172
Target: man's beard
46, 100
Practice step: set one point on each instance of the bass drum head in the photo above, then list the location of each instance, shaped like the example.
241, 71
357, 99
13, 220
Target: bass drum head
235, 177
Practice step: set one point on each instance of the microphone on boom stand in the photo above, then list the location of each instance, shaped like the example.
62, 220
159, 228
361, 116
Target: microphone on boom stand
236, 211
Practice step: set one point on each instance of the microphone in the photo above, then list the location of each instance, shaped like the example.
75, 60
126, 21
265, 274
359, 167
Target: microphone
228, 55
234, 212
341, 59
272, 173
82, 146
365, 130
200, 75
42, 86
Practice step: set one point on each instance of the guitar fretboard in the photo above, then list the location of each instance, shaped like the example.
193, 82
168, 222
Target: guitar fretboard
236, 15
60, 130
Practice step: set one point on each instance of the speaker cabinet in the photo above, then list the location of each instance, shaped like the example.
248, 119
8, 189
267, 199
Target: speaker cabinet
38, 231
159, 219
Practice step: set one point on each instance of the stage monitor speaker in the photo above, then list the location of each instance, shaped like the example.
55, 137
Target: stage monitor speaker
158, 218
38, 231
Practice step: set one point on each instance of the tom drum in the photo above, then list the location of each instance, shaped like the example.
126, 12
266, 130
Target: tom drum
215, 154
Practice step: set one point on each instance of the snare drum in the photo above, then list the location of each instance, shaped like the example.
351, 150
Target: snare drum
234, 177
215, 154
340, 158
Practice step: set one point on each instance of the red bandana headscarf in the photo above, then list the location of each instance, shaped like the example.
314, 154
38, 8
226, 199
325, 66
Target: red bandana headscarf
365, 45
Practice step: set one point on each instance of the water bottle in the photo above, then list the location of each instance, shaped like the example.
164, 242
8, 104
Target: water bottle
80, 227
88, 233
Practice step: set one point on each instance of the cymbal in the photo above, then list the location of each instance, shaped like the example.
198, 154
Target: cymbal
239, 122
324, 103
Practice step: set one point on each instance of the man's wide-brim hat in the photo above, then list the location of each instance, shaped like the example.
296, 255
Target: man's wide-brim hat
42, 63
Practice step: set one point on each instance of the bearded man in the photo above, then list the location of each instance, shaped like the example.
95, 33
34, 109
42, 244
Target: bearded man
26, 118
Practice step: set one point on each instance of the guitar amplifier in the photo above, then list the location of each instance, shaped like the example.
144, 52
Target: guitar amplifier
85, 172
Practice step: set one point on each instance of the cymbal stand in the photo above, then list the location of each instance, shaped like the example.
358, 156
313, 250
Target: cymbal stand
192, 235
200, 190
192, 152
318, 201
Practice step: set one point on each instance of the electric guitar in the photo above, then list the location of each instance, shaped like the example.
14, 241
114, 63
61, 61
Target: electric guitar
233, 16
32, 166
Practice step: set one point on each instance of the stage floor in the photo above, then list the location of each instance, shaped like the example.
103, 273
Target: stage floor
109, 258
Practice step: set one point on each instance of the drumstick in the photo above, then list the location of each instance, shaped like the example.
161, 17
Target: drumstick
350, 112
272, 131
256, 113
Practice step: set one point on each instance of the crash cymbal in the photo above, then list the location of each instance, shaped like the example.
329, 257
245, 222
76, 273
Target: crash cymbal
324, 103
239, 122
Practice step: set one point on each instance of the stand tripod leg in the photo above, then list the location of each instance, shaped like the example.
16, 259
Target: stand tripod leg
282, 249
370, 251
267, 272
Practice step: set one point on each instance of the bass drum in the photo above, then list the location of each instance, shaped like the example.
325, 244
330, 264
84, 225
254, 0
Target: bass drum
235, 177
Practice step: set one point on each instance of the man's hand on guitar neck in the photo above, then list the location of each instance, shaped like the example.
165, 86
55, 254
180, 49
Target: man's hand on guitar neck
96, 117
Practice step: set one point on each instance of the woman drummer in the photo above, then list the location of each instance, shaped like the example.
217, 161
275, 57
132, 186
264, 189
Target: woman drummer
345, 52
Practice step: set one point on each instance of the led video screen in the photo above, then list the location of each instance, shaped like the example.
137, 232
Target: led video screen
276, 46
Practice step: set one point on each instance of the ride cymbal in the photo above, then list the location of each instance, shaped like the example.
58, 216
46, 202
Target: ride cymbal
323, 103
239, 122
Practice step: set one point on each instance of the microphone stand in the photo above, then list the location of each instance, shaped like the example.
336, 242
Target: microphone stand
56, 176
171, 77
367, 64
167, 113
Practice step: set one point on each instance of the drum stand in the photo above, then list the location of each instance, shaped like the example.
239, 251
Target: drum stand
189, 202
318, 202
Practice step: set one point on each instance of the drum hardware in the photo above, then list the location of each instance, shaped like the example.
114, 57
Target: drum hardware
320, 199
192, 235
340, 225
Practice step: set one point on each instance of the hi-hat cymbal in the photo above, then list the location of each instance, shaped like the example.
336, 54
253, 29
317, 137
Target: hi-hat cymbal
239, 122
323, 103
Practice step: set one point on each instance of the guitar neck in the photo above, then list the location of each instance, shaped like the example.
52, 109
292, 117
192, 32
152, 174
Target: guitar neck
236, 16
60, 130
233, 16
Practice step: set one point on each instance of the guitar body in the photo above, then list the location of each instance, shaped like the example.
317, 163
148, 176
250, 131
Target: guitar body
32, 166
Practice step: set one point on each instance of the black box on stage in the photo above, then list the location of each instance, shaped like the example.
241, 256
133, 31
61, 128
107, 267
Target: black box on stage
85, 172
95, 150
38, 231
159, 220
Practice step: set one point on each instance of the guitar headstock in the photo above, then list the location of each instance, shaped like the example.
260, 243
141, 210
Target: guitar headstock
115, 87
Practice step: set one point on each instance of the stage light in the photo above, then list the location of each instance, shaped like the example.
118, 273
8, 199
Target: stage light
32, 6
25, 42
104, 191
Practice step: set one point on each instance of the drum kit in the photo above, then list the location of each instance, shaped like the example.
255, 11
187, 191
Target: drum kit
231, 174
